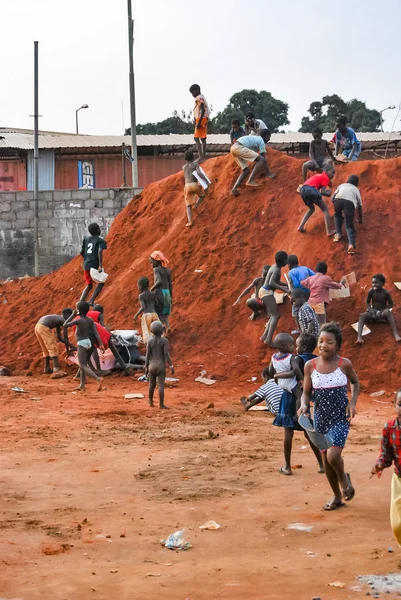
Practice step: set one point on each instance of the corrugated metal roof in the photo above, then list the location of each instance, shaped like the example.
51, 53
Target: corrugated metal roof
24, 141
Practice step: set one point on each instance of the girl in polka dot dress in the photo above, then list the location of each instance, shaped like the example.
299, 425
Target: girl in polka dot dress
327, 378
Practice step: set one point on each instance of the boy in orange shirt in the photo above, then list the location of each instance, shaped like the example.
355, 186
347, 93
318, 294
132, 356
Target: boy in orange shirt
201, 114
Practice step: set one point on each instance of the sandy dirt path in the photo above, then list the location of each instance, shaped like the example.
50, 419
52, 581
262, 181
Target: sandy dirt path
90, 484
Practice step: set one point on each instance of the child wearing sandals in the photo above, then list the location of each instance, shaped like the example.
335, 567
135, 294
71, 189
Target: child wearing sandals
327, 377
284, 368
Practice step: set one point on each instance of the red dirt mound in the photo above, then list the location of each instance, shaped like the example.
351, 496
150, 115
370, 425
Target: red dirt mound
230, 241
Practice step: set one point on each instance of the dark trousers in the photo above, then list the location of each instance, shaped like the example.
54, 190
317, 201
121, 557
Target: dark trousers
345, 209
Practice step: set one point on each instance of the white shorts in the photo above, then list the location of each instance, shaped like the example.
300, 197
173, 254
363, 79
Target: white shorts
242, 155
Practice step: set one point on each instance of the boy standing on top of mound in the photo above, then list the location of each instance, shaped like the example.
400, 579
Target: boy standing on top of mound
193, 191
92, 253
319, 154
251, 148
201, 114
379, 308
47, 338
311, 193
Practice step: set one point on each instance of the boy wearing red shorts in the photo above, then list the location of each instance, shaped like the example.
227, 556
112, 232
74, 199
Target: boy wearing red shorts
92, 253
201, 114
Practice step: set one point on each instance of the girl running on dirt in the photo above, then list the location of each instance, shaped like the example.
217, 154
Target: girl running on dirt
327, 378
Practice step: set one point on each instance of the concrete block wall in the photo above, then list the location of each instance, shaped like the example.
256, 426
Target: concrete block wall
64, 216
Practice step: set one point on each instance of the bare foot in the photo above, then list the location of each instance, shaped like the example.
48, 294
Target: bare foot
359, 342
253, 316
234, 192
100, 384
301, 229
80, 388
331, 232
48, 371
163, 406
58, 375
243, 402
151, 405
272, 175
397, 338
253, 184
321, 470
188, 225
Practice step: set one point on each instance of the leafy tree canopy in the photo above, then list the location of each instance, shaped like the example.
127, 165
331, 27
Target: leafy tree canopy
324, 114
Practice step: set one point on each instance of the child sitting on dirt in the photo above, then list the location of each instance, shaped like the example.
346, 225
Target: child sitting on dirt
346, 200
307, 319
193, 191
254, 302
379, 308
319, 286
85, 327
287, 373
295, 275
266, 294
92, 253
270, 392
312, 193
391, 454
47, 338
320, 154
147, 309
157, 355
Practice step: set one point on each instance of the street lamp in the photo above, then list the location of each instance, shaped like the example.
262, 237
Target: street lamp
76, 115
381, 115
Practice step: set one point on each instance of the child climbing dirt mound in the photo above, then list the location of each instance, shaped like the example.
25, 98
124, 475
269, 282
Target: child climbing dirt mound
213, 261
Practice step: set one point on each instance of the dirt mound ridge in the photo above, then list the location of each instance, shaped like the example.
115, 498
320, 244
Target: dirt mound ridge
230, 241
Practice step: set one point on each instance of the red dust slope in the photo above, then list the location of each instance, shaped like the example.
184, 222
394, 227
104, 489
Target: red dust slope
230, 241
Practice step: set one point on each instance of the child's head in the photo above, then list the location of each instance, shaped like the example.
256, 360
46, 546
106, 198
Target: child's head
354, 180
189, 156
66, 313
292, 261
317, 133
298, 297
265, 270
94, 229
249, 119
235, 124
281, 258
397, 404
378, 281
341, 124
330, 339
284, 342
266, 374
329, 170
143, 284
306, 343
195, 90
98, 308
83, 308
157, 328
321, 267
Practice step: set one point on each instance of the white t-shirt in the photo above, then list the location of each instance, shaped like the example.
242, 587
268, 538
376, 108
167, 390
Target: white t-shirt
199, 100
348, 191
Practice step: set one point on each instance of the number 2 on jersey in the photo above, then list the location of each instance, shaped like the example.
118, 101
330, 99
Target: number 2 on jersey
90, 248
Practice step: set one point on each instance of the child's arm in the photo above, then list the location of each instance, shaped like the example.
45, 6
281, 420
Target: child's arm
307, 390
386, 456
101, 320
100, 256
141, 309
325, 191
295, 369
272, 370
312, 154
148, 357
97, 336
167, 356
369, 300
275, 283
389, 300
245, 291
329, 152
202, 114
83, 249
353, 378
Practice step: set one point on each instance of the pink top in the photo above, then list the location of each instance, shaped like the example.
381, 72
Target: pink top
319, 286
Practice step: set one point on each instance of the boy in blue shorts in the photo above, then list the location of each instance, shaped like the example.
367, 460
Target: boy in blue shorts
312, 193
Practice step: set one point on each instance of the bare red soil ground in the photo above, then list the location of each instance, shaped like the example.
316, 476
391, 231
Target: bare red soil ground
90, 484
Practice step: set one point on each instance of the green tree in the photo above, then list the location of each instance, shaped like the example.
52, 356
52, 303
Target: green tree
264, 106
175, 124
324, 114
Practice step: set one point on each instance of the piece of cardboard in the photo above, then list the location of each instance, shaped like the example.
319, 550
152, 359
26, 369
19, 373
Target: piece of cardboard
201, 181
279, 297
351, 278
397, 285
133, 396
365, 330
344, 292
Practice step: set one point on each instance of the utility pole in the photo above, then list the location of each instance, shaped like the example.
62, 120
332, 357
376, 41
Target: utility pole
36, 159
134, 150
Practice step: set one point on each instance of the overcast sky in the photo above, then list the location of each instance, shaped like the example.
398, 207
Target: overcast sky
297, 50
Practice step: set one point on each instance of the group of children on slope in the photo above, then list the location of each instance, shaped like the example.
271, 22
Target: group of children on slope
310, 295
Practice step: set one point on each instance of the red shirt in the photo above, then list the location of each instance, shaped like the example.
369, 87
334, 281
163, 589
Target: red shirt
318, 181
391, 447
103, 333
